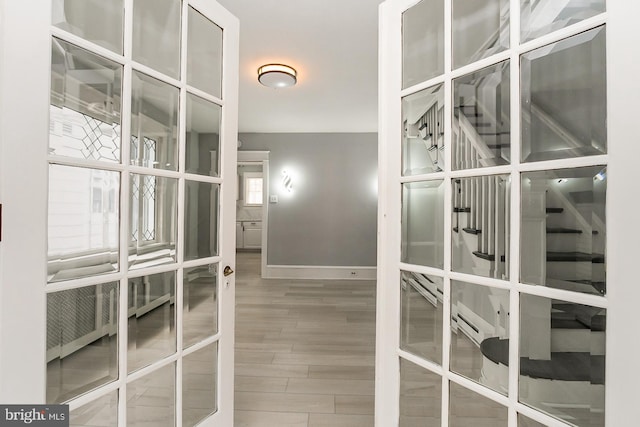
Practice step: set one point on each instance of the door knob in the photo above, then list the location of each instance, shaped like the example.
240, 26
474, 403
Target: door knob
228, 271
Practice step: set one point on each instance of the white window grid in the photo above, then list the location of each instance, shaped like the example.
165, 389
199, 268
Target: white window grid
515, 169
125, 169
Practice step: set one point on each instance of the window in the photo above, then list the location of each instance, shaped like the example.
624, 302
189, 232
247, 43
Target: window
252, 183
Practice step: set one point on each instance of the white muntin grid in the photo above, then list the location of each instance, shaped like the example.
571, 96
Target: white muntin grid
391, 182
124, 168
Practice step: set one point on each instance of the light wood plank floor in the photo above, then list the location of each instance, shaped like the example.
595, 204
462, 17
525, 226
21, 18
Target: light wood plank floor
304, 350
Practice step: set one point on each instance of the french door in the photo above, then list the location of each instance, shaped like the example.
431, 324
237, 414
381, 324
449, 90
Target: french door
504, 264
118, 185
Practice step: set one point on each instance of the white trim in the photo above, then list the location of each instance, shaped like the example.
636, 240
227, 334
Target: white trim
319, 272
24, 112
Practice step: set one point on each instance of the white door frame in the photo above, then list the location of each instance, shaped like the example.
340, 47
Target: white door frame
261, 157
623, 235
25, 53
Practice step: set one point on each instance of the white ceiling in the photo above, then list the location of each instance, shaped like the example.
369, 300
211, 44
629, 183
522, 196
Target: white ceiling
333, 44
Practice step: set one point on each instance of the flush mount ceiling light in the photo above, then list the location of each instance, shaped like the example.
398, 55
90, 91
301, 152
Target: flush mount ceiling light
277, 75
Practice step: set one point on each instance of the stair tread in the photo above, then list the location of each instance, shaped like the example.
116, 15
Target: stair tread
566, 366
488, 257
472, 230
575, 257
563, 230
555, 210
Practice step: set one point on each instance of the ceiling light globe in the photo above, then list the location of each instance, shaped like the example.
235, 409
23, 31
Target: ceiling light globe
277, 75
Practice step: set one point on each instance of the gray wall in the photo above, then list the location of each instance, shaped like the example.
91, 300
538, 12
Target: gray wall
330, 216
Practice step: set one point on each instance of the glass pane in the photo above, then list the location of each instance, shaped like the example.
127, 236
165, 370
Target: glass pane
153, 227
154, 123
420, 396
199, 385
200, 303
481, 118
204, 54
564, 111
562, 359
423, 136
152, 321
83, 222
421, 315
102, 412
423, 223
151, 399
203, 136
479, 334
540, 17
527, 422
422, 42
98, 21
82, 340
481, 210
467, 408
480, 29
564, 233
201, 220
86, 94
156, 35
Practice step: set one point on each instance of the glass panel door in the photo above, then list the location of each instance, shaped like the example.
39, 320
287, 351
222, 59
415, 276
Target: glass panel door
493, 278
139, 289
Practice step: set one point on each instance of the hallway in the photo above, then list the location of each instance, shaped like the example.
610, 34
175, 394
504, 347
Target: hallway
304, 350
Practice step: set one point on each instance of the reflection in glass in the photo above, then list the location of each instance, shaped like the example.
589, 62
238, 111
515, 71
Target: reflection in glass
154, 123
153, 229
152, 320
201, 220
102, 412
467, 408
421, 315
86, 92
563, 237
422, 223
423, 135
200, 302
422, 42
480, 29
82, 340
83, 222
564, 111
156, 35
100, 22
481, 121
479, 334
204, 54
528, 422
480, 235
199, 385
542, 17
420, 396
151, 399
562, 359
203, 136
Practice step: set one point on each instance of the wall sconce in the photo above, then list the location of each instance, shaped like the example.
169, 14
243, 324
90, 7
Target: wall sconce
287, 181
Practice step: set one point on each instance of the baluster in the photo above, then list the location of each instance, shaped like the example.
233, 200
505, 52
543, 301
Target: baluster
491, 218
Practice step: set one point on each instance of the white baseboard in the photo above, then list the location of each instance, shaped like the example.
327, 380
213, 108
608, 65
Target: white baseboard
319, 272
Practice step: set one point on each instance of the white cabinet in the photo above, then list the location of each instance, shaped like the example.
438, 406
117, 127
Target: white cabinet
252, 234
248, 235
